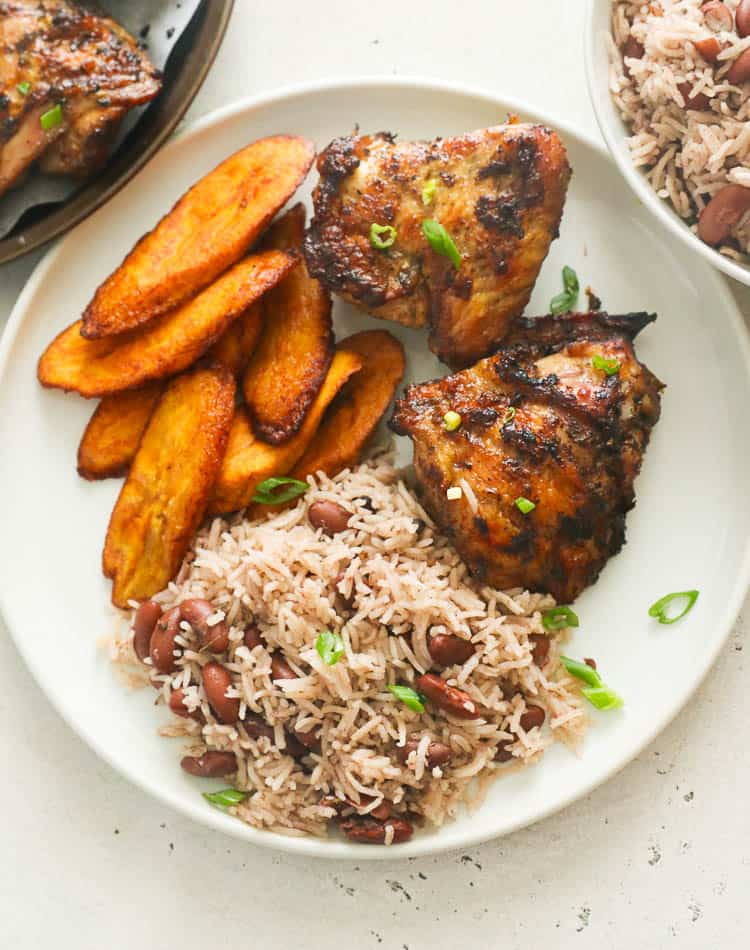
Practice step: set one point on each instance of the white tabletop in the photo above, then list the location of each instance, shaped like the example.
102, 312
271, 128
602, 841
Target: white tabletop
658, 857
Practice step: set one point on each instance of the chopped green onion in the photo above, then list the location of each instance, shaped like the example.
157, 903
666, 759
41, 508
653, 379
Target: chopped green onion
382, 236
608, 366
564, 302
24, 88
440, 241
524, 505
226, 798
510, 415
408, 696
602, 697
330, 647
52, 118
660, 608
428, 191
558, 618
582, 671
452, 421
266, 494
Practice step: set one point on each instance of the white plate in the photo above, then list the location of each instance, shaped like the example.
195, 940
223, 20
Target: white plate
690, 527
616, 133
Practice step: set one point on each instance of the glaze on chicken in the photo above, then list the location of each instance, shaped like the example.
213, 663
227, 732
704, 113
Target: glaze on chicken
541, 421
498, 192
56, 52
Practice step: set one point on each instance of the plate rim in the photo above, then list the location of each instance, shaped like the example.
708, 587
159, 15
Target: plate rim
434, 844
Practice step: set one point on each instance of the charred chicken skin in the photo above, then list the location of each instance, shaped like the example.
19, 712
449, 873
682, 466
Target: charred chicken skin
559, 417
499, 194
57, 53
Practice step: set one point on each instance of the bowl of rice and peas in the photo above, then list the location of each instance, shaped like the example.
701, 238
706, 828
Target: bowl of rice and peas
670, 84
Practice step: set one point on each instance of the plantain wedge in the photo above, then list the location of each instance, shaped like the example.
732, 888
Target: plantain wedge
207, 231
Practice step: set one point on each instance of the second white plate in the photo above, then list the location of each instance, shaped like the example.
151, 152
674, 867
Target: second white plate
689, 529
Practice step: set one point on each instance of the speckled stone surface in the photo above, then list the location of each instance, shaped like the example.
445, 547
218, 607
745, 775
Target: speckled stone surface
659, 857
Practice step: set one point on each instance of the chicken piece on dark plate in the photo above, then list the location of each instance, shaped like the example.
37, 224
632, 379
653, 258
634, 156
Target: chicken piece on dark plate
493, 200
534, 481
68, 77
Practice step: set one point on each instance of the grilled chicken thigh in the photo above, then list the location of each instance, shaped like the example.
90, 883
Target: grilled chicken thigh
543, 422
498, 192
58, 52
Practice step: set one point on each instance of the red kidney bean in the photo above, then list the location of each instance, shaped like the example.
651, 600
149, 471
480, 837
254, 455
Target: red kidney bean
177, 704
739, 71
309, 739
210, 764
631, 50
280, 669
294, 747
437, 752
699, 101
539, 648
256, 727
742, 18
144, 622
216, 681
589, 662
723, 213
709, 48
717, 16
163, 641
367, 830
348, 601
213, 637
448, 698
448, 650
382, 811
329, 516
503, 753
252, 637
534, 716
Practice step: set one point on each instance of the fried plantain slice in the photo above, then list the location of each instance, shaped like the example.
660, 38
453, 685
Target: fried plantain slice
248, 460
235, 346
355, 413
208, 230
166, 347
296, 347
114, 431
164, 497
111, 438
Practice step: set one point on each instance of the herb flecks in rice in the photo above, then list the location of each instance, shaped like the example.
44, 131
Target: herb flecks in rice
385, 585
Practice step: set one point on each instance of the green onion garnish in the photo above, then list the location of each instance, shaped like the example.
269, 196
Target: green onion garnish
582, 671
428, 191
524, 505
330, 647
558, 618
452, 421
608, 366
564, 302
266, 494
440, 241
660, 608
510, 415
226, 798
24, 88
382, 236
602, 697
408, 696
52, 118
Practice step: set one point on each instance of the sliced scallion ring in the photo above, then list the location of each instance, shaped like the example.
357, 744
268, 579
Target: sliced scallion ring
267, 493
602, 697
226, 798
582, 671
558, 618
660, 609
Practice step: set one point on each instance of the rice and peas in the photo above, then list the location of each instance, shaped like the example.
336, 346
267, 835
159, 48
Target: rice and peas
679, 80
378, 591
